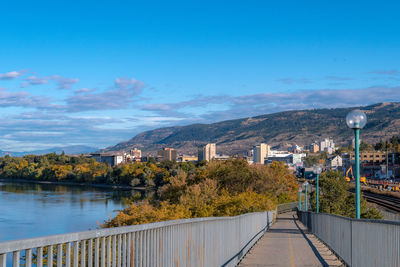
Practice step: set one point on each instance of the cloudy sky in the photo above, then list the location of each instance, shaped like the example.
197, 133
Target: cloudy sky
97, 73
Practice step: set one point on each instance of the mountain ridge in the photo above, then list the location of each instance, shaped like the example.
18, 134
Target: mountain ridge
279, 129
74, 149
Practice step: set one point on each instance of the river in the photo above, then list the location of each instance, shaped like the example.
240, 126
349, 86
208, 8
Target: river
31, 210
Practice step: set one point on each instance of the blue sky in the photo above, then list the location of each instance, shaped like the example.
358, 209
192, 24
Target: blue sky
97, 73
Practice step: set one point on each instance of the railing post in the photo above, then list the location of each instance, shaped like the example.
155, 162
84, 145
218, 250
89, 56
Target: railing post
83, 253
3, 260
39, 258
16, 258
351, 242
50, 256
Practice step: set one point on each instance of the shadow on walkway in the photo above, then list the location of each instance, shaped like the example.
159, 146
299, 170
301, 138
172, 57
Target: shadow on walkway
286, 231
314, 249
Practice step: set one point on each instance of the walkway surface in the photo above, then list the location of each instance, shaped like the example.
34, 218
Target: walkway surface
287, 243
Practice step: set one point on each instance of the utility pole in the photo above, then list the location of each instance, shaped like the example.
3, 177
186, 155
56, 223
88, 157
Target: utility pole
387, 162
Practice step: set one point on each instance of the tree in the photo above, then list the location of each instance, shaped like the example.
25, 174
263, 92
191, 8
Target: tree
335, 198
218, 188
365, 146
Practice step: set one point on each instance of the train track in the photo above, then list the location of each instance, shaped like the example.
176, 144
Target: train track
388, 202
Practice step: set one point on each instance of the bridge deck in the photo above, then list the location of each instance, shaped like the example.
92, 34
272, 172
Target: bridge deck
287, 243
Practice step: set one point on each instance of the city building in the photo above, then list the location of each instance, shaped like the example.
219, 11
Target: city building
314, 148
112, 159
207, 152
295, 149
221, 157
260, 152
334, 162
166, 154
327, 145
135, 153
186, 158
372, 157
287, 158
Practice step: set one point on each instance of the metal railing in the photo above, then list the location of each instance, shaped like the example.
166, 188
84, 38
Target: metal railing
287, 207
221, 241
357, 242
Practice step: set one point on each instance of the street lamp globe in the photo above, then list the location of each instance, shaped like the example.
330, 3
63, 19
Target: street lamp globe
356, 119
317, 169
305, 183
300, 190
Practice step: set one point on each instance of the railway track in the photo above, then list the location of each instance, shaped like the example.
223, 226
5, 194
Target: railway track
388, 202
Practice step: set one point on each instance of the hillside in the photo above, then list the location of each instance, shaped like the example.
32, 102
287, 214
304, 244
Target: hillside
70, 150
278, 129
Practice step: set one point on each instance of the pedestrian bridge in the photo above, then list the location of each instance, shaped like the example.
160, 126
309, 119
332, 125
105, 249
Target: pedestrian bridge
281, 237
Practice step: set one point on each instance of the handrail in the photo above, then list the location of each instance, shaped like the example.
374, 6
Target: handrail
10, 246
212, 241
358, 242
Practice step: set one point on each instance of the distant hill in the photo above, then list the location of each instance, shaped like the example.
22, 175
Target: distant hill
67, 150
279, 129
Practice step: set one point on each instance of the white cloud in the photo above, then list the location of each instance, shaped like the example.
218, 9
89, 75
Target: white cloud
11, 75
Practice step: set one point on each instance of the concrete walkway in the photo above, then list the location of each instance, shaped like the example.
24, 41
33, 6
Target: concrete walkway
287, 243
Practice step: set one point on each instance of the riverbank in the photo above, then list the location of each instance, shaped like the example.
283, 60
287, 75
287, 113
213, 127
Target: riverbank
115, 187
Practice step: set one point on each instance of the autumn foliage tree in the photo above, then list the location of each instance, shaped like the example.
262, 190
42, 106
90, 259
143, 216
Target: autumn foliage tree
220, 188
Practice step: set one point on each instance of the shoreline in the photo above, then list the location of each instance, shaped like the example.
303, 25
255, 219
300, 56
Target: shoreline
115, 187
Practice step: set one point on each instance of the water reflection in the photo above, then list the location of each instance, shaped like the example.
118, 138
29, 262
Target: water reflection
30, 210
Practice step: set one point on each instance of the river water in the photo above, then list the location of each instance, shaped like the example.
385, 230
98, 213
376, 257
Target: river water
32, 210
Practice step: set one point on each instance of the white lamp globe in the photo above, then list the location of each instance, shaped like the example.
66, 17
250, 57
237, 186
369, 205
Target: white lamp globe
300, 190
356, 119
317, 169
305, 183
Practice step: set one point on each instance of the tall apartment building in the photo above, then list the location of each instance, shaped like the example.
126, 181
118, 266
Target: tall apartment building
327, 145
260, 152
166, 154
207, 152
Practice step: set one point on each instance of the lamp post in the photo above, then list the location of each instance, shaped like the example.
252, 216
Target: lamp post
356, 120
300, 199
317, 170
305, 192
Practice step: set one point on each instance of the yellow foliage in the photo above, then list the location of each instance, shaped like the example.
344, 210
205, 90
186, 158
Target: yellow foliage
219, 189
61, 171
143, 212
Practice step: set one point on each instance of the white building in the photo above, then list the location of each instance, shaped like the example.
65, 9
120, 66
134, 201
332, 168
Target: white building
112, 159
260, 152
327, 145
208, 152
334, 162
287, 158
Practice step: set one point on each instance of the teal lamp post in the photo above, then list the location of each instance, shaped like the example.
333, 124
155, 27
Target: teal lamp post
300, 199
356, 120
317, 170
305, 192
